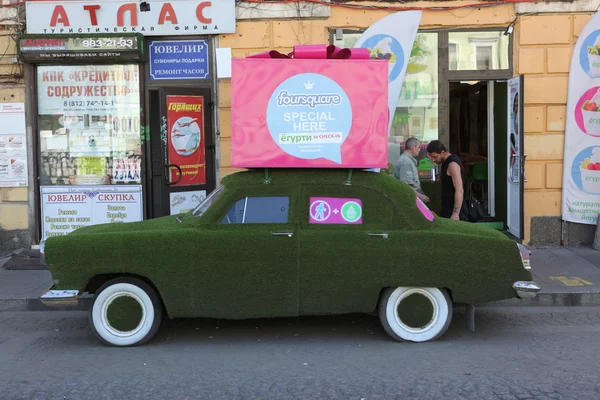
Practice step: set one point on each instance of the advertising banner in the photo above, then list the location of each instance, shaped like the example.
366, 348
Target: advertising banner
581, 168
65, 209
125, 47
309, 113
515, 156
13, 145
160, 18
185, 124
391, 38
89, 124
178, 59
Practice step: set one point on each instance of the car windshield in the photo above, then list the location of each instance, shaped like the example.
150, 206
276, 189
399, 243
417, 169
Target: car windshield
209, 201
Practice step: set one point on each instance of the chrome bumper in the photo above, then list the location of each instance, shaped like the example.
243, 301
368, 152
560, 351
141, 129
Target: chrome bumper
526, 289
52, 298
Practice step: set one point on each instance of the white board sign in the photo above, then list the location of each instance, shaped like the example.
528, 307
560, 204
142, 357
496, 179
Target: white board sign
67, 208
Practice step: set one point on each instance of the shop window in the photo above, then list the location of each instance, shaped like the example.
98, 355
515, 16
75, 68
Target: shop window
483, 56
89, 125
258, 210
453, 56
479, 50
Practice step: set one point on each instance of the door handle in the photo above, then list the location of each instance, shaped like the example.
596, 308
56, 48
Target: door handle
168, 177
288, 234
384, 235
523, 167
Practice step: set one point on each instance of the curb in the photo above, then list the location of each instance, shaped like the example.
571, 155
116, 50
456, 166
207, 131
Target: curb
34, 304
542, 300
551, 300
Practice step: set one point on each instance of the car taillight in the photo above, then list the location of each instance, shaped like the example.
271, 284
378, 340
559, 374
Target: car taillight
525, 256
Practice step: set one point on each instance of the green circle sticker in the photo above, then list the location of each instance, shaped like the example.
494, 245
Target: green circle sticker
351, 211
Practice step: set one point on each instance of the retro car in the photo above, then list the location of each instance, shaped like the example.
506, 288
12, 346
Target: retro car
287, 243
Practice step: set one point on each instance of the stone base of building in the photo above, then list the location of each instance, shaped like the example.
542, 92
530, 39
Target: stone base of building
14, 240
546, 231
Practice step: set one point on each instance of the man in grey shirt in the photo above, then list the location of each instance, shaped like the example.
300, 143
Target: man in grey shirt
405, 168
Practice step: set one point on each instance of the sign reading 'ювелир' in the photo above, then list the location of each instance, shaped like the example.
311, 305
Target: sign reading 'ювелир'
303, 113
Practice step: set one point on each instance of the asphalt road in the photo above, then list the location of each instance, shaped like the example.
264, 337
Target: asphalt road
515, 353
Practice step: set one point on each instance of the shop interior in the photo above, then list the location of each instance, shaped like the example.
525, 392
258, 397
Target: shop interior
477, 134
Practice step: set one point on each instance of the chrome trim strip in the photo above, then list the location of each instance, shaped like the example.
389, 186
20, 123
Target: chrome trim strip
526, 289
59, 297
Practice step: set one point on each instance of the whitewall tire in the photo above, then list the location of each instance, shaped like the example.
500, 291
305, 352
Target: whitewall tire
125, 312
415, 314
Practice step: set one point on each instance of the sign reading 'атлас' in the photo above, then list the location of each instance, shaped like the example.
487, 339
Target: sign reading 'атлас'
181, 17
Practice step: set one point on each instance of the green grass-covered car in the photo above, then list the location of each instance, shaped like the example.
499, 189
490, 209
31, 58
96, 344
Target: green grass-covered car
283, 243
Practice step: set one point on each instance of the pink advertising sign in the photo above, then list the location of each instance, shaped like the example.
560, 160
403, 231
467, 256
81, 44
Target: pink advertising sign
335, 210
309, 113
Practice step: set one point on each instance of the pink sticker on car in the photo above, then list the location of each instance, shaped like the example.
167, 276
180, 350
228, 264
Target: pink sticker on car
335, 210
425, 210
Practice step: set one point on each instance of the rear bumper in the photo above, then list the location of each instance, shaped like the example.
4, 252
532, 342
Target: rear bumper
526, 289
60, 298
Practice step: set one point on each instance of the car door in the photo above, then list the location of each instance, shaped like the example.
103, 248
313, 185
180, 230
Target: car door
249, 266
347, 238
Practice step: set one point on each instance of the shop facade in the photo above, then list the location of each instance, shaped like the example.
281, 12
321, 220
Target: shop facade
121, 114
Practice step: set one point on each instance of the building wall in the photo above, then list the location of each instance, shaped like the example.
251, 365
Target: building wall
545, 45
14, 206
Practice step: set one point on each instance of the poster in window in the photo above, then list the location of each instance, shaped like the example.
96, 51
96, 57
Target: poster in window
185, 132
89, 124
13, 145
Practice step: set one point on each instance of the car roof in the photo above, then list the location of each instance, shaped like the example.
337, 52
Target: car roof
294, 176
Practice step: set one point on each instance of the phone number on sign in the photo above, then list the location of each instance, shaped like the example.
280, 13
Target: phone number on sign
94, 103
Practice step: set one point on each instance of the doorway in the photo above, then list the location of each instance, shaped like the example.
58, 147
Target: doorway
478, 135
183, 150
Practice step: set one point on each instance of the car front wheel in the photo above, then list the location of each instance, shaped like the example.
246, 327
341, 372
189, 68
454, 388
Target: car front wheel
415, 314
125, 312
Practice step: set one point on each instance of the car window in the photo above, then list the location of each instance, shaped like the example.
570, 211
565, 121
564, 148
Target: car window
207, 202
259, 210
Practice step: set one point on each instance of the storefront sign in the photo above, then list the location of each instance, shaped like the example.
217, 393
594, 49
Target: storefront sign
181, 17
38, 48
179, 59
309, 113
391, 38
13, 145
185, 122
581, 174
334, 210
65, 209
183, 202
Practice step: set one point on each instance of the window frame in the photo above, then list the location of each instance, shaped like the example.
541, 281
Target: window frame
445, 75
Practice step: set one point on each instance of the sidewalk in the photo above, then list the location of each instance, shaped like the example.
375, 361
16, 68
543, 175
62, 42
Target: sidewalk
569, 276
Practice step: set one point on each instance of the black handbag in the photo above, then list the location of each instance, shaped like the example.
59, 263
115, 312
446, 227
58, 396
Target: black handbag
472, 210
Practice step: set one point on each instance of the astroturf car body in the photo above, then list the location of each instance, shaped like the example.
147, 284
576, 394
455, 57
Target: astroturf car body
258, 247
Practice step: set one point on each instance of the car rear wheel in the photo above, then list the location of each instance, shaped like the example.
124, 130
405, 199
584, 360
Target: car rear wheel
415, 314
125, 312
